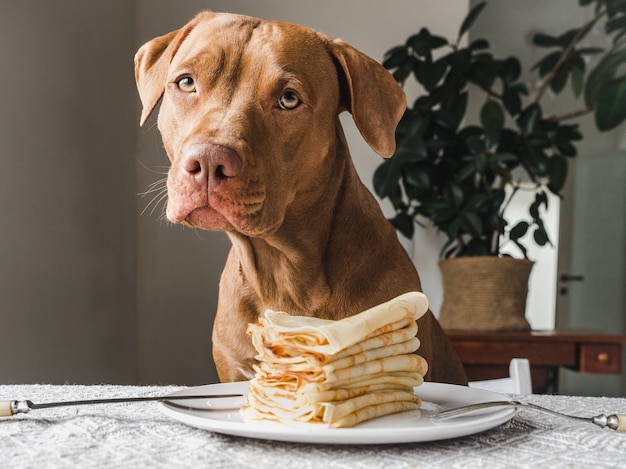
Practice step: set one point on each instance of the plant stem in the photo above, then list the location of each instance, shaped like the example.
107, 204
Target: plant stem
584, 29
570, 115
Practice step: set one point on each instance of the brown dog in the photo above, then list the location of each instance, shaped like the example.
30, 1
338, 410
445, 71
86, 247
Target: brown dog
249, 120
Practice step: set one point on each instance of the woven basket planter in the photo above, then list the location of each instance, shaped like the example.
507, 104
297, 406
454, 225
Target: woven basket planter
484, 293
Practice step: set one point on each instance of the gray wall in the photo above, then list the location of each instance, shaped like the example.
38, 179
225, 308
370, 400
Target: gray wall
68, 221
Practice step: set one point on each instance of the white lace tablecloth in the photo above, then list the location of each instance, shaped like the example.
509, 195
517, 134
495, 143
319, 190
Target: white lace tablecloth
138, 435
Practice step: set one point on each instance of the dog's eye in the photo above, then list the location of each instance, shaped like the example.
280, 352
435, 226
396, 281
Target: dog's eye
289, 100
186, 84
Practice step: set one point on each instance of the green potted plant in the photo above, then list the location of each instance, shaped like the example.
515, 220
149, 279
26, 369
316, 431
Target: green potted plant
459, 173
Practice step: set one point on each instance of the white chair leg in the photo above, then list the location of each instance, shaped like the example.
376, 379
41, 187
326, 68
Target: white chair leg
518, 382
519, 371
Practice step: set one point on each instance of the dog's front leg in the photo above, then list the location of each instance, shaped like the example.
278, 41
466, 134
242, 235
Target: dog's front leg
237, 307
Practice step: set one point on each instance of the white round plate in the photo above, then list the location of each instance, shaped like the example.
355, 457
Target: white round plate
222, 416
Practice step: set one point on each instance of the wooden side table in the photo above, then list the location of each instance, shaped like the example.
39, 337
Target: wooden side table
486, 355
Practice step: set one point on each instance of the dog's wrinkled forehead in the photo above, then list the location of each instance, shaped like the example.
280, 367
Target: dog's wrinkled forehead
224, 46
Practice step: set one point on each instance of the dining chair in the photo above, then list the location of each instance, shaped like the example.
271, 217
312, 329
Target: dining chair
518, 382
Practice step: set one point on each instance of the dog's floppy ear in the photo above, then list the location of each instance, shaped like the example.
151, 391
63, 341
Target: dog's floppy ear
151, 63
374, 99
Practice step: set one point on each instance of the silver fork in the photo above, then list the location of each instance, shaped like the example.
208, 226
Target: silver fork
9, 408
614, 421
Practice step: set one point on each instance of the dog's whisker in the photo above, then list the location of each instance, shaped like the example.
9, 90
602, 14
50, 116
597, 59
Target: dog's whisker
155, 186
152, 190
162, 170
163, 216
158, 190
162, 198
154, 203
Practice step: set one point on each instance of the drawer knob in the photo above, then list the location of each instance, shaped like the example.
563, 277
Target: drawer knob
603, 357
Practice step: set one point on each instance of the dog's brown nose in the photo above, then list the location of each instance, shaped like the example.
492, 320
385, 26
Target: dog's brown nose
210, 165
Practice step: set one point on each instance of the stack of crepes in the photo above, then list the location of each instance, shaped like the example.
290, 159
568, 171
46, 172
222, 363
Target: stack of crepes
337, 373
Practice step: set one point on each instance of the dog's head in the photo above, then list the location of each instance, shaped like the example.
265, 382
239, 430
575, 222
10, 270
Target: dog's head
249, 115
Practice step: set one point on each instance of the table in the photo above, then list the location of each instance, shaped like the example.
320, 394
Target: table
138, 435
486, 355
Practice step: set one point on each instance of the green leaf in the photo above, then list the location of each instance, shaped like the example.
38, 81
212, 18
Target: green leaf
475, 144
618, 37
476, 247
420, 43
492, 119
557, 173
411, 148
443, 215
456, 108
429, 76
590, 50
539, 140
452, 228
471, 18
459, 61
404, 224
417, 177
546, 64
615, 24
497, 198
545, 40
465, 172
471, 223
603, 72
511, 100
535, 161
395, 57
559, 80
475, 201
479, 44
483, 72
386, 178
565, 39
615, 7
566, 147
569, 132
454, 195
577, 81
423, 43
506, 159
400, 74
511, 69
529, 118
610, 105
